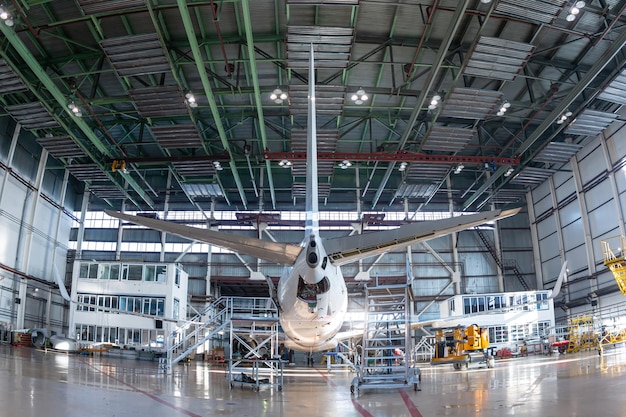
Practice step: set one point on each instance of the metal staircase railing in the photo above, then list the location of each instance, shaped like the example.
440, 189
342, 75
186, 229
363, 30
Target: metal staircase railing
505, 265
188, 337
210, 321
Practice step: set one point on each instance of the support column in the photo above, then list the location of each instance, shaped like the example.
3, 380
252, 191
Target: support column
616, 196
534, 238
456, 274
120, 235
166, 206
557, 218
580, 194
22, 262
81, 227
209, 257
14, 138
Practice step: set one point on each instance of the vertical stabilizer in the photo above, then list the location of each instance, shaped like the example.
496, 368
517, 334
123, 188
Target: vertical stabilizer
312, 215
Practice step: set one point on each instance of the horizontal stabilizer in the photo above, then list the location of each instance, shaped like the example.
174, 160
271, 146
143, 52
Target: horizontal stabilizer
283, 253
345, 249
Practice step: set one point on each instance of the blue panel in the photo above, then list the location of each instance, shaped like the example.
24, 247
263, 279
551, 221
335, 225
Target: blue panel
549, 246
599, 195
541, 191
567, 186
603, 219
576, 258
570, 213
546, 227
592, 165
573, 235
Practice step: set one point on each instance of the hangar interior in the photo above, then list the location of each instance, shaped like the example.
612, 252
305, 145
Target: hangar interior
195, 111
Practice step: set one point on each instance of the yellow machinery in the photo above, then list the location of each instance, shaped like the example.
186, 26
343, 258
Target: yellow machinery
613, 256
455, 345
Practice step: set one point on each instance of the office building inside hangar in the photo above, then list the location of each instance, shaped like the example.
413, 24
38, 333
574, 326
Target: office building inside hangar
528, 114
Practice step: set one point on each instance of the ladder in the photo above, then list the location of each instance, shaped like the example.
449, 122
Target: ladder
384, 360
505, 265
614, 259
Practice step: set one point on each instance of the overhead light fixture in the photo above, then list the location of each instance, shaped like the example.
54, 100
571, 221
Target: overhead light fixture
563, 117
459, 168
575, 10
509, 172
279, 96
403, 166
359, 97
217, 165
75, 109
6, 16
191, 100
503, 108
434, 102
345, 164
285, 163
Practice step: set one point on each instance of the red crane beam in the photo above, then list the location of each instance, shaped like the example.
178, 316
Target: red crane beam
398, 156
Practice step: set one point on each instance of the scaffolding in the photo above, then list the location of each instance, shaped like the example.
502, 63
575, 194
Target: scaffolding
613, 257
583, 334
384, 360
253, 359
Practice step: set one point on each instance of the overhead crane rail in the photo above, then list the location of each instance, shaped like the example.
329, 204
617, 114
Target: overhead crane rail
613, 257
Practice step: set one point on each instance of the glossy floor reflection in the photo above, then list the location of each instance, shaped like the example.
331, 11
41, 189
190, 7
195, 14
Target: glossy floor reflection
36, 383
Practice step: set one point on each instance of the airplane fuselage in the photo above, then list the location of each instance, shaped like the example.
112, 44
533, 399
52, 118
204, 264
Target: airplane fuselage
313, 299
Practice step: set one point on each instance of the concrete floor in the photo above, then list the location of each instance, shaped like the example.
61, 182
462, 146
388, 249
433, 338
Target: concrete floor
34, 383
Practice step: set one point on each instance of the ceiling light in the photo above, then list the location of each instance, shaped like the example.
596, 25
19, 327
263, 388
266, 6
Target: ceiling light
75, 109
278, 96
459, 168
217, 165
191, 100
563, 117
6, 15
434, 102
509, 172
574, 11
285, 163
359, 97
403, 166
503, 108
345, 164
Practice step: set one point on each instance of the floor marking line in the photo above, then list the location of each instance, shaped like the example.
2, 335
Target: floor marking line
409, 404
356, 405
147, 394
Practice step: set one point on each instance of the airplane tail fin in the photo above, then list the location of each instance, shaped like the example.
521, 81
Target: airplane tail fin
312, 200
559, 281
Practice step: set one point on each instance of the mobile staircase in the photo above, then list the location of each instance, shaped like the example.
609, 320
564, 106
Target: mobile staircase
384, 361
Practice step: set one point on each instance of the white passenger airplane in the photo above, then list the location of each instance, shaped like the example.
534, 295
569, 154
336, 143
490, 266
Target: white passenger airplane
311, 294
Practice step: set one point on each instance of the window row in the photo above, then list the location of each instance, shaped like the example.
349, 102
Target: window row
137, 338
151, 306
527, 302
517, 332
125, 272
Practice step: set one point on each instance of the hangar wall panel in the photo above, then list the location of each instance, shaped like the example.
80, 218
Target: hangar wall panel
599, 195
573, 235
602, 219
592, 164
546, 227
543, 204
570, 214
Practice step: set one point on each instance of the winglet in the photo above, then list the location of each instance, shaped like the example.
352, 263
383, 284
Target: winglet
559, 281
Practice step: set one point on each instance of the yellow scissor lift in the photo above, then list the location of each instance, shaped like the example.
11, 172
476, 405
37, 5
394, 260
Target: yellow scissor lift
613, 256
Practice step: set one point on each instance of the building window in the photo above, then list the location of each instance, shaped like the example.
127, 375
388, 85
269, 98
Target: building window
176, 312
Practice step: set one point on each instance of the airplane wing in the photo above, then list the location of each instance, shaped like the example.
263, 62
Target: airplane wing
283, 253
345, 249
